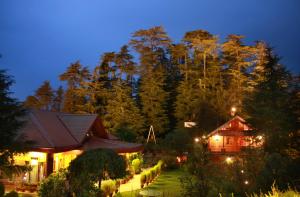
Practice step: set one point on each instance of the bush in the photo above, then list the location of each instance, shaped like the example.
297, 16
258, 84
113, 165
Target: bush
54, 185
148, 177
136, 165
12, 194
143, 179
277, 193
2, 189
170, 162
108, 187
152, 172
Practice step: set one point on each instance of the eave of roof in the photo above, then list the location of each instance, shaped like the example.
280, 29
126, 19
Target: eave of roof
217, 130
116, 145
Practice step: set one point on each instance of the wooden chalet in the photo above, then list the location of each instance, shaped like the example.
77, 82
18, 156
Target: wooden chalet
232, 136
60, 137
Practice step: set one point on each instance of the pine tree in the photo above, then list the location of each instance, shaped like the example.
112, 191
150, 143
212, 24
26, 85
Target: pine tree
122, 110
125, 65
42, 99
32, 102
260, 59
267, 105
74, 98
151, 45
58, 99
45, 94
201, 91
98, 89
11, 121
237, 58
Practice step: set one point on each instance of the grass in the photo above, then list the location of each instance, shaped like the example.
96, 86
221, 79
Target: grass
168, 183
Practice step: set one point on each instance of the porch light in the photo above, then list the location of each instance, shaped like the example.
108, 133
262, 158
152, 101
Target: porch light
229, 160
25, 176
217, 137
246, 182
196, 140
260, 137
36, 154
242, 171
34, 161
233, 110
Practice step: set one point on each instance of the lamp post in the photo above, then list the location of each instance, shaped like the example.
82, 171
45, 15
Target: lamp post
233, 111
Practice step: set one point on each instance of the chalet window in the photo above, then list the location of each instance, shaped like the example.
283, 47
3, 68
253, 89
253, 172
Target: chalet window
228, 140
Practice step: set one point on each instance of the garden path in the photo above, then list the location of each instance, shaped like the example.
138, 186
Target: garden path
133, 184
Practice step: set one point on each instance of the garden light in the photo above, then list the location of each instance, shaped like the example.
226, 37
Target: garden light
233, 111
229, 160
260, 137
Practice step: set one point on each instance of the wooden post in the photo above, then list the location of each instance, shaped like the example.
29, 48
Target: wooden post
49, 164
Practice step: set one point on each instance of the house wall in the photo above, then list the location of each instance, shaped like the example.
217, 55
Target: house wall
224, 144
38, 164
62, 160
230, 143
43, 164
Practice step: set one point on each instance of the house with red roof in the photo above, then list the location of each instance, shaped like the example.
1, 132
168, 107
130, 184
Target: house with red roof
59, 137
233, 136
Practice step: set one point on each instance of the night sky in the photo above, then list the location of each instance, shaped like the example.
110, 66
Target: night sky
40, 38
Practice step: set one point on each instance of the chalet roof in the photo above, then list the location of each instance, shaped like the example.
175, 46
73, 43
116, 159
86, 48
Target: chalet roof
227, 130
116, 145
56, 131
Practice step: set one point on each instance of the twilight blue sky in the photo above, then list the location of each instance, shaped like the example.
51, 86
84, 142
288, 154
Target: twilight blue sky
40, 38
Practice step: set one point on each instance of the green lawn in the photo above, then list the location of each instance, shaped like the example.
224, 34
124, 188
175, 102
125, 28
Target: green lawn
168, 183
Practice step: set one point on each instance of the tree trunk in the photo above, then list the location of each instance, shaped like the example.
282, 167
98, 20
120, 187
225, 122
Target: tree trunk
99, 186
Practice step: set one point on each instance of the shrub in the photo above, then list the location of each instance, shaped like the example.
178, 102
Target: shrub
12, 194
275, 192
2, 189
152, 172
170, 162
143, 179
136, 165
148, 178
159, 166
108, 187
54, 185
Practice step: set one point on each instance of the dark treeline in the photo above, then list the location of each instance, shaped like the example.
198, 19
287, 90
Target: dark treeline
198, 79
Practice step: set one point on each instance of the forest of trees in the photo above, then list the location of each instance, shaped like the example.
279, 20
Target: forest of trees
154, 81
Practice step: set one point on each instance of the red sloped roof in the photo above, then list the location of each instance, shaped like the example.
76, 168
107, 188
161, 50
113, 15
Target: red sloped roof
48, 125
55, 131
78, 124
116, 145
228, 130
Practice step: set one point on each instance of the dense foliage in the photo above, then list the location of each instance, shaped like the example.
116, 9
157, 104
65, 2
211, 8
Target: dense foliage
88, 170
11, 120
198, 79
54, 185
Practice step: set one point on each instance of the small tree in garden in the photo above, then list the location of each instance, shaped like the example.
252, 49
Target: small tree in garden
88, 170
136, 165
54, 185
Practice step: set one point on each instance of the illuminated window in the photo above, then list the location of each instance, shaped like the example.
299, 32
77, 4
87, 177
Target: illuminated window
227, 140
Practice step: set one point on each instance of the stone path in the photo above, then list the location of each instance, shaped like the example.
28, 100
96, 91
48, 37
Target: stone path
133, 184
